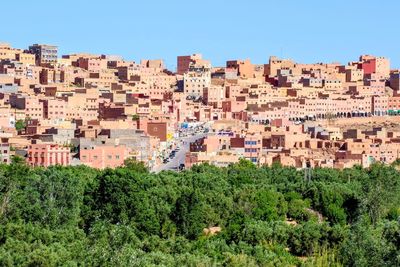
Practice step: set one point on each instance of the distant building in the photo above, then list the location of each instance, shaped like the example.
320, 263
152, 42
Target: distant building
395, 81
4, 152
197, 78
183, 62
48, 154
372, 64
45, 54
157, 129
103, 156
244, 68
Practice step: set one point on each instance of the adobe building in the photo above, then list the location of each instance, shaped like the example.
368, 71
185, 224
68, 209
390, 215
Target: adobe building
157, 129
184, 62
44, 54
45, 155
103, 156
244, 68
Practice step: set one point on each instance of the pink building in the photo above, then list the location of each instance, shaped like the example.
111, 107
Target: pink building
253, 147
92, 64
54, 108
48, 154
104, 156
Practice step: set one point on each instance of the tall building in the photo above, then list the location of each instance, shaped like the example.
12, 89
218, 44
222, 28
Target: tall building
197, 77
45, 54
183, 62
395, 81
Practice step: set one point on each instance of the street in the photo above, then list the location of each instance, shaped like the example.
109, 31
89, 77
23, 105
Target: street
180, 155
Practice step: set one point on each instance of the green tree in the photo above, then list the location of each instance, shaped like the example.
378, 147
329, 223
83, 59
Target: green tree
20, 125
135, 117
128, 216
137, 166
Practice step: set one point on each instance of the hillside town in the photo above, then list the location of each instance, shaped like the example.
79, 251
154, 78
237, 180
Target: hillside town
101, 110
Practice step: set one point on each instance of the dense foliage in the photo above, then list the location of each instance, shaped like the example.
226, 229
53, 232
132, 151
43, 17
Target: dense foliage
269, 216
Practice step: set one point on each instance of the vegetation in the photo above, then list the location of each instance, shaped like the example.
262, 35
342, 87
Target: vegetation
135, 117
20, 125
269, 216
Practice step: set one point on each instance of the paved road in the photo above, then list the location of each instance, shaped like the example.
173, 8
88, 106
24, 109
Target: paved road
180, 155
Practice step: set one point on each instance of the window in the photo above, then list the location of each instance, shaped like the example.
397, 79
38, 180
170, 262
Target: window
250, 142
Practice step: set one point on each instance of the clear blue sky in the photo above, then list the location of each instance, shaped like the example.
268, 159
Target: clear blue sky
306, 31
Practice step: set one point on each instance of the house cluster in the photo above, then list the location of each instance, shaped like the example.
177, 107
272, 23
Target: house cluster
300, 146
99, 110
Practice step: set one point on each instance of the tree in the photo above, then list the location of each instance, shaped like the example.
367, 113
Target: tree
128, 216
136, 166
135, 117
20, 125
